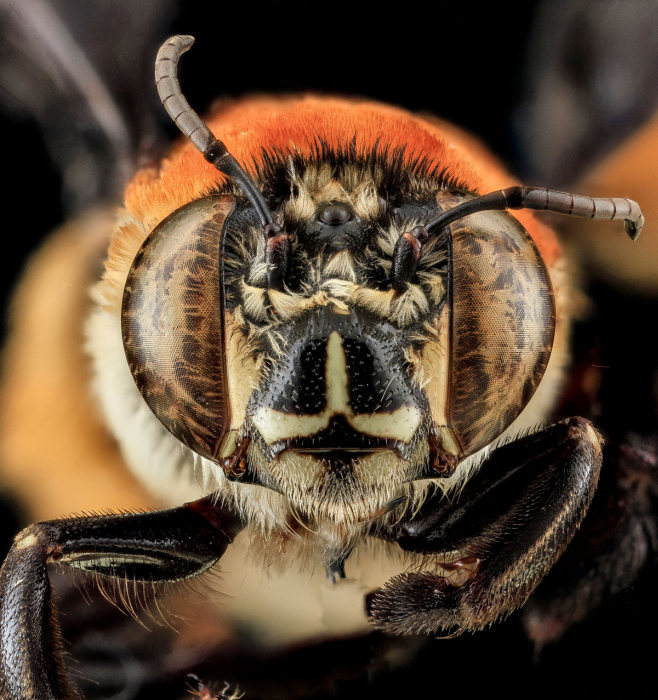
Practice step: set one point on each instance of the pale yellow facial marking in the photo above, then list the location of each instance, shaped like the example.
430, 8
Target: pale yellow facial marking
399, 424
338, 394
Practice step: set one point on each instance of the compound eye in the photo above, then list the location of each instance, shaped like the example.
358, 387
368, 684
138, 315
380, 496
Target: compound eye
502, 323
334, 214
172, 323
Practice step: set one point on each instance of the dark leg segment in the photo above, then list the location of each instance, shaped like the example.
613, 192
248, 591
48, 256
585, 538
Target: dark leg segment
502, 533
168, 545
611, 550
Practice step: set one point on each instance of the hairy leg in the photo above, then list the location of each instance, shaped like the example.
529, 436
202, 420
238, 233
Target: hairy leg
499, 536
161, 546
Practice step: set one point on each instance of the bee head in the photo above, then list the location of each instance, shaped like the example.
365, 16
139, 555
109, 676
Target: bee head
321, 329
320, 361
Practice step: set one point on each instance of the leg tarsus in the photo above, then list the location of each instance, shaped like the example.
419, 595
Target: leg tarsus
515, 516
167, 545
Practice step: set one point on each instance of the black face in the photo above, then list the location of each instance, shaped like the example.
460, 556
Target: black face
343, 385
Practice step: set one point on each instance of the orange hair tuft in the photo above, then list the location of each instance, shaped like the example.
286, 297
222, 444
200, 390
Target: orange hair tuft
251, 126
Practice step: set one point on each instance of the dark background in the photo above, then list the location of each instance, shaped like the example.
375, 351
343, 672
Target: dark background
550, 86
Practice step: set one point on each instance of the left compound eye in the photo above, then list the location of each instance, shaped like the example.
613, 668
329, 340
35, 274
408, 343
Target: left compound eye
172, 323
499, 324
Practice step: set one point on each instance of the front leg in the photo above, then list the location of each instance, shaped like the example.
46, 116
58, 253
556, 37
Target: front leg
162, 546
498, 538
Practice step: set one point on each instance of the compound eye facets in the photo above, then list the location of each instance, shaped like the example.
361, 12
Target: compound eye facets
503, 323
173, 324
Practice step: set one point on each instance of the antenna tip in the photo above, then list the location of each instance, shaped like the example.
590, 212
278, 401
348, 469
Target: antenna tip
182, 40
171, 50
634, 228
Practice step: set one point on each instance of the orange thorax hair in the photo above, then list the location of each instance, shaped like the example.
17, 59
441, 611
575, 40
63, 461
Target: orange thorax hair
295, 125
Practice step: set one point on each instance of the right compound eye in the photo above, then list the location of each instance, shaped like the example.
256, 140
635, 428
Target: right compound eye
499, 326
